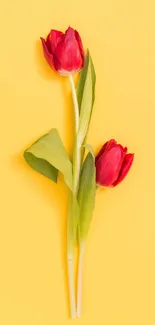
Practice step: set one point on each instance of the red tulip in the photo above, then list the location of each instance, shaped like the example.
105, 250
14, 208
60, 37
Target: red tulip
112, 164
64, 52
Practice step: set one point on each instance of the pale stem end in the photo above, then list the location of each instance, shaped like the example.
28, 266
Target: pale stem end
79, 288
70, 263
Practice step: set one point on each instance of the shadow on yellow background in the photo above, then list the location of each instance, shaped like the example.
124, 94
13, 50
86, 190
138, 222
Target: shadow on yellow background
119, 270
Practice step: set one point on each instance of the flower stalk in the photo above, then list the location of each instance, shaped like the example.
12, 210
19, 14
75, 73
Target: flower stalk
75, 102
76, 176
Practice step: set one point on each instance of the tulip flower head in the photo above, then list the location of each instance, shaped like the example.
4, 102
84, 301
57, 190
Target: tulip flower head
64, 51
112, 164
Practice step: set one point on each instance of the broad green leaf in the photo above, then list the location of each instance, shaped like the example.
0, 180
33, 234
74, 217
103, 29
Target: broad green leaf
86, 96
86, 196
48, 156
42, 166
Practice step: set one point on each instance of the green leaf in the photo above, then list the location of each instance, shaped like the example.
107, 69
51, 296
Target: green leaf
42, 166
86, 196
86, 96
72, 220
48, 156
81, 81
90, 149
93, 80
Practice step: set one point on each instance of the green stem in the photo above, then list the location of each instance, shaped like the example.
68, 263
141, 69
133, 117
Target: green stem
79, 288
75, 102
77, 145
70, 256
76, 175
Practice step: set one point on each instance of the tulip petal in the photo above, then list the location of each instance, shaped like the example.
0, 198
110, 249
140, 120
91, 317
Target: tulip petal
70, 33
78, 38
128, 160
108, 145
47, 54
108, 166
69, 56
53, 39
123, 149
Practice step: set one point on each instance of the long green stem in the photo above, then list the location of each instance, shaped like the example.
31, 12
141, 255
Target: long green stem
76, 174
70, 256
77, 145
79, 287
75, 102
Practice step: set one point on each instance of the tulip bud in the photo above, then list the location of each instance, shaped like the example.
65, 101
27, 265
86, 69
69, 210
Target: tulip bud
64, 52
112, 164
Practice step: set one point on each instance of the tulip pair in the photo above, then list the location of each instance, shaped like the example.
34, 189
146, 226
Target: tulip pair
65, 55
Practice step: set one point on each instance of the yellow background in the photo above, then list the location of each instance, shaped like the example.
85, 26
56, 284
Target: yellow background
119, 273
